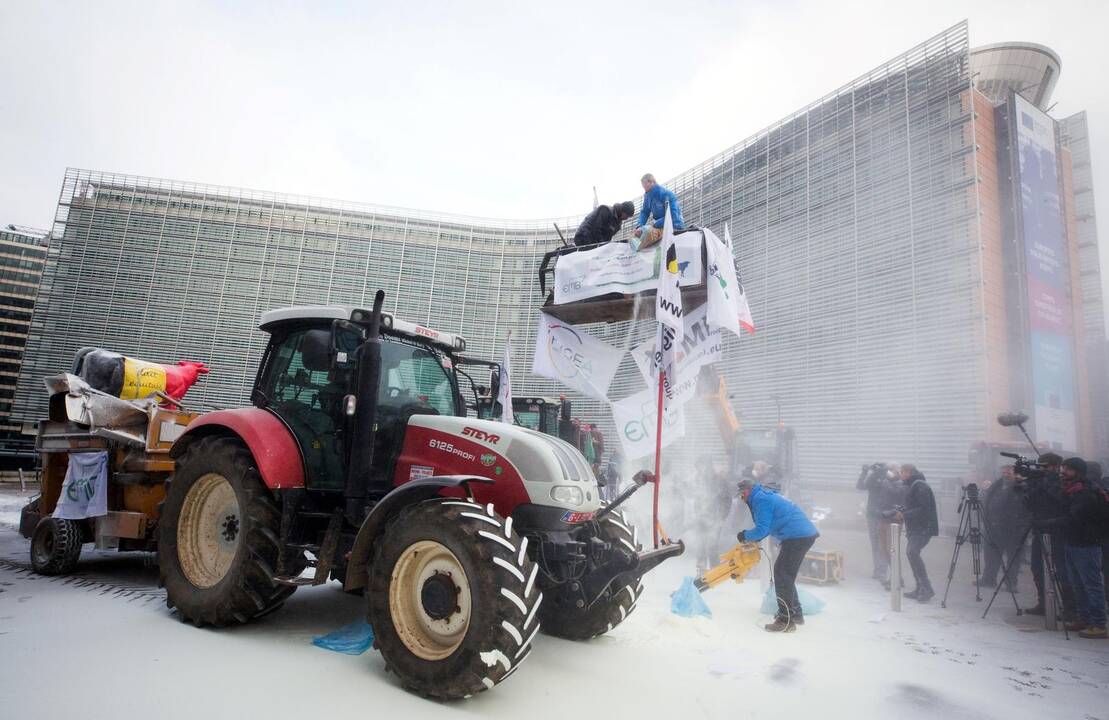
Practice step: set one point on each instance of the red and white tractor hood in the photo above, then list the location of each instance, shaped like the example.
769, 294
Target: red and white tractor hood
528, 466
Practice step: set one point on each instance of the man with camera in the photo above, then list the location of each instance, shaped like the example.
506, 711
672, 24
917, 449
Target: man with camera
921, 525
1044, 499
1005, 518
1083, 527
881, 497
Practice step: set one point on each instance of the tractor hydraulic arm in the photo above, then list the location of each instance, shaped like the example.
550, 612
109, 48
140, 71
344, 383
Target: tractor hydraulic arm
734, 565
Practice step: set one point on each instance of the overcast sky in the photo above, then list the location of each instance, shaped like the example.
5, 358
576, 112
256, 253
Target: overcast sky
482, 108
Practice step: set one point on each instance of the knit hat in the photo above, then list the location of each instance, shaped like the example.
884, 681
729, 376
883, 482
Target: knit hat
626, 207
1051, 458
1077, 464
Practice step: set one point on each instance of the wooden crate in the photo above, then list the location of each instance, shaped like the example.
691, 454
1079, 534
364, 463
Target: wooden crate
822, 567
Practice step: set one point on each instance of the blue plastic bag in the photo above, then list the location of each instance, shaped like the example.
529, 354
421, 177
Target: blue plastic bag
810, 604
353, 639
687, 601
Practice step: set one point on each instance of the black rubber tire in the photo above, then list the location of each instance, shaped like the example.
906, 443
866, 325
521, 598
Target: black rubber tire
55, 546
247, 589
562, 617
504, 598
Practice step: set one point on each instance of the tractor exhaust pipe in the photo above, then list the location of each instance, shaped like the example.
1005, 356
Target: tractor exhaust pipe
359, 471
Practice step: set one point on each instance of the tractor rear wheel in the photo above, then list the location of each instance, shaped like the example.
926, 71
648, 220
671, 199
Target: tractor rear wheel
452, 598
563, 617
55, 546
218, 541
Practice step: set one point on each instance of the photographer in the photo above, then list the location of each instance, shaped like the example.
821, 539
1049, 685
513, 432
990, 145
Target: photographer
1083, 527
1044, 499
881, 497
921, 525
1005, 518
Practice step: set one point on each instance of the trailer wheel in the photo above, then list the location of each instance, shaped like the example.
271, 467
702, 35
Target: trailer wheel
55, 546
561, 615
452, 598
218, 537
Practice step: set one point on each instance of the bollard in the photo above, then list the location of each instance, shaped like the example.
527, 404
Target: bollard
1051, 602
895, 567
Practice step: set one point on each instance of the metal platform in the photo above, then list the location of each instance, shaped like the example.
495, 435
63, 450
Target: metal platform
619, 308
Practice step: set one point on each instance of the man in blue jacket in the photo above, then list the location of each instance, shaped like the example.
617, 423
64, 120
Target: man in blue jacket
795, 533
655, 200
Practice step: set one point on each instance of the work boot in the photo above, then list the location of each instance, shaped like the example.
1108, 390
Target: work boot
1093, 633
798, 619
780, 625
925, 594
1074, 625
913, 595
1037, 610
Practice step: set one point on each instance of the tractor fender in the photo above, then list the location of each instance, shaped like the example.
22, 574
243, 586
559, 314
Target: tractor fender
407, 494
269, 440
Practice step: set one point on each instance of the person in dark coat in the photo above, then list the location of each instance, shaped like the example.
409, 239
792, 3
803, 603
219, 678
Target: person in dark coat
1005, 520
601, 225
921, 525
1045, 501
1083, 528
881, 497
785, 522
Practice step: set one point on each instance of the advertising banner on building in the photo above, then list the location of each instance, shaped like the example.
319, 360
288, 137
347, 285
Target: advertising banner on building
1051, 334
616, 268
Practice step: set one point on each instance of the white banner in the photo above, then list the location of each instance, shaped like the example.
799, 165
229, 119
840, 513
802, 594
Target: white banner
636, 419
668, 299
616, 268
727, 300
504, 393
573, 358
700, 346
85, 490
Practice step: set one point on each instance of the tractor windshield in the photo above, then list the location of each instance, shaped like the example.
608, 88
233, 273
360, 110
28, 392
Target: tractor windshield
412, 375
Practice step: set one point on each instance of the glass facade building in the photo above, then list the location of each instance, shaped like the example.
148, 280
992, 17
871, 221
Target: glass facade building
22, 256
868, 247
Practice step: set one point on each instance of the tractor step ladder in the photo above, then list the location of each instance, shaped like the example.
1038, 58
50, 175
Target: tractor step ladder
325, 555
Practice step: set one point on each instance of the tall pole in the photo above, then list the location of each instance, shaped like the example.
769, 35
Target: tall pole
658, 456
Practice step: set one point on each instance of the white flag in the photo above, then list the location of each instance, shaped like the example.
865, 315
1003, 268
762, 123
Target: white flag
504, 393
668, 302
636, 419
700, 347
727, 302
570, 356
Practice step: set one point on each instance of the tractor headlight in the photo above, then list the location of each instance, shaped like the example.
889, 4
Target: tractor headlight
567, 494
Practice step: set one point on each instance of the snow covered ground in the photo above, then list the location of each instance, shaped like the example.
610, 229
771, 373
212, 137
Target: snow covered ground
102, 644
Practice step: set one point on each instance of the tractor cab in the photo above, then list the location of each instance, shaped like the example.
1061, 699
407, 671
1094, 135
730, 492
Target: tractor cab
308, 378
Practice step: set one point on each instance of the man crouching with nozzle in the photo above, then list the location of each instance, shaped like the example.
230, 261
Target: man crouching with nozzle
785, 522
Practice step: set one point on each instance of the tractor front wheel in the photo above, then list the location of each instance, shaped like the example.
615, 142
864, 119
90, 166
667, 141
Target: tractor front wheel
452, 598
218, 541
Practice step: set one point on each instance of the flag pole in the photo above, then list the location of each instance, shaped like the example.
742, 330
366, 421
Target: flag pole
658, 456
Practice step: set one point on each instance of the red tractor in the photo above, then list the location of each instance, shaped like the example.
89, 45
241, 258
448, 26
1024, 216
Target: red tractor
357, 462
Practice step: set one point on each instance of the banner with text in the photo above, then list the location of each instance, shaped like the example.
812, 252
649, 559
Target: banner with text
616, 268
573, 358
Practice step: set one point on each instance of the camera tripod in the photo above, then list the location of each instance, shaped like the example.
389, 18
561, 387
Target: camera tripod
1049, 576
970, 528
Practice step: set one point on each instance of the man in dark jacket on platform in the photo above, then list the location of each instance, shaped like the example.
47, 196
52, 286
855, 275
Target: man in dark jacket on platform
921, 525
601, 225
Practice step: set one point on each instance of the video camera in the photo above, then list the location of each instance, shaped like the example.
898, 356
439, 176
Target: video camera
1026, 469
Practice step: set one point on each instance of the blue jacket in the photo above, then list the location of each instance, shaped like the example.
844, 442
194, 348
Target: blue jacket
776, 516
654, 205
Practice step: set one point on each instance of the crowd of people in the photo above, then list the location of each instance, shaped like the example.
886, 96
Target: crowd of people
1059, 505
